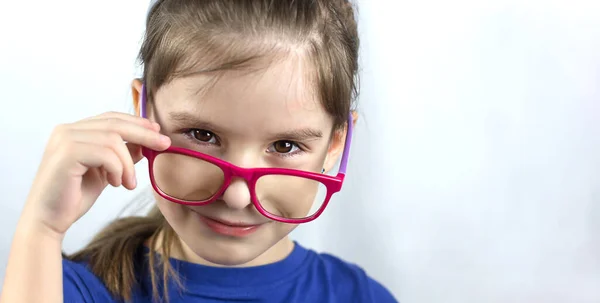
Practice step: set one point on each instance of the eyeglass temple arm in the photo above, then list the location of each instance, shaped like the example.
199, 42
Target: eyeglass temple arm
143, 102
344, 162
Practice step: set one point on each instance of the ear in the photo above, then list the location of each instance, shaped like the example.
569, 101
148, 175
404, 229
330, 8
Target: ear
136, 93
336, 147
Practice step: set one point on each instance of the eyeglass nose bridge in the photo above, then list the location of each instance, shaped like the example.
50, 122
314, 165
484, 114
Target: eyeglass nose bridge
240, 172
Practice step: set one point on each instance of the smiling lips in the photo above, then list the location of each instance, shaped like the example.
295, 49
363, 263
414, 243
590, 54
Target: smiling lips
229, 229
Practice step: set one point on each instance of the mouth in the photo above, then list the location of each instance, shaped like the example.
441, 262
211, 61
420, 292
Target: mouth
231, 229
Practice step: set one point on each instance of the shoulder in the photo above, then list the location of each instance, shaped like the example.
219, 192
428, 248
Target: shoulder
80, 284
349, 281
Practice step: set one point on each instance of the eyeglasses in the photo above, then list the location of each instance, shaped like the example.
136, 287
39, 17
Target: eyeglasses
292, 196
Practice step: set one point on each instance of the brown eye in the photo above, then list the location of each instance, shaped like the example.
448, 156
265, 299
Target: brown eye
283, 147
203, 135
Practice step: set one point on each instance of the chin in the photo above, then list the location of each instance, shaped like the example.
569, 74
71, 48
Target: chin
263, 247
203, 245
229, 252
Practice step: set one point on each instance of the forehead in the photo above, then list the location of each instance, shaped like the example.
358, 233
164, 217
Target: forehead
278, 93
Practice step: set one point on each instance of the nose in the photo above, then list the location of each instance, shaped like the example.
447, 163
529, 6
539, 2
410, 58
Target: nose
237, 194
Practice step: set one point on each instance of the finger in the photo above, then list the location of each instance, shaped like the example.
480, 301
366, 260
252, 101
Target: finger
145, 122
130, 132
135, 151
115, 142
94, 156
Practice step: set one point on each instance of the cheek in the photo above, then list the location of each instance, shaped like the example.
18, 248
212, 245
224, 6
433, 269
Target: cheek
290, 197
294, 197
281, 230
187, 178
173, 212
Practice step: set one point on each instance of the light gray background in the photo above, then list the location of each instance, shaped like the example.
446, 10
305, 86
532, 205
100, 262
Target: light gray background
475, 170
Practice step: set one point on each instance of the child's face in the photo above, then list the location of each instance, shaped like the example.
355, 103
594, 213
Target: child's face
245, 118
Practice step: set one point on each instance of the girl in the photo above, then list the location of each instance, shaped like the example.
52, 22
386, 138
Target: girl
242, 108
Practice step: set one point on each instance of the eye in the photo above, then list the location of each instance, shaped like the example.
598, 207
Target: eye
203, 136
284, 147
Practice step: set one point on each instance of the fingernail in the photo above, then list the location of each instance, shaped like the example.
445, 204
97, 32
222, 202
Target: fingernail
165, 139
133, 180
156, 125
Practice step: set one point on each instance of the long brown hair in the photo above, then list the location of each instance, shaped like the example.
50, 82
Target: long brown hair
185, 37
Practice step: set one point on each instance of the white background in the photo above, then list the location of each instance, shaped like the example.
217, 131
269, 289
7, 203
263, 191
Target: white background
475, 169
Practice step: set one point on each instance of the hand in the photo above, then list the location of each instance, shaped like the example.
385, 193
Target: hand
81, 159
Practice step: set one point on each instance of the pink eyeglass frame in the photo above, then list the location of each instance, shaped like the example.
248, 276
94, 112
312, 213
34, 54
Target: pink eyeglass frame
251, 175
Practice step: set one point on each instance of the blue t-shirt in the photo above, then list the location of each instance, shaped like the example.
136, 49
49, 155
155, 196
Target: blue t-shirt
304, 276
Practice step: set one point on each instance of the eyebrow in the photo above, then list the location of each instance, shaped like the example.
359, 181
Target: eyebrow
185, 119
303, 134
